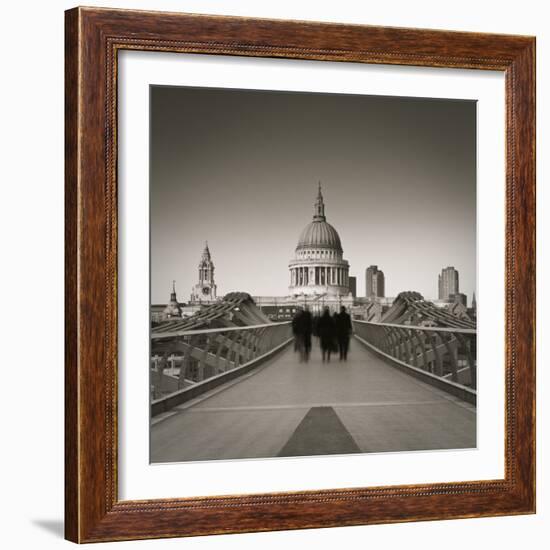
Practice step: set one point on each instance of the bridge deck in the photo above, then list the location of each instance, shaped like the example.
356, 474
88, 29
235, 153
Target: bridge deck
287, 408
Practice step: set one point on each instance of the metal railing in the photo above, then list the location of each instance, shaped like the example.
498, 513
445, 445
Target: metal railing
188, 358
446, 353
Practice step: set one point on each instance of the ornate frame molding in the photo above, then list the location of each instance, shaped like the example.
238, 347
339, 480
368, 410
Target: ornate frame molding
93, 38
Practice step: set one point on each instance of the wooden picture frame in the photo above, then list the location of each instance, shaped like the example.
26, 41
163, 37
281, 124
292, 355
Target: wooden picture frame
93, 511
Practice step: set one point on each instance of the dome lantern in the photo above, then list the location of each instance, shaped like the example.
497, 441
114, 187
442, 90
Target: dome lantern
319, 214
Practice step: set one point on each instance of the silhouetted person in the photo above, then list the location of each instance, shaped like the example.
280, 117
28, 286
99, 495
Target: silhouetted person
301, 327
296, 329
306, 328
343, 332
316, 325
326, 330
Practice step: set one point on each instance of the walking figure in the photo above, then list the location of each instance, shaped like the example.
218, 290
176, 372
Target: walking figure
326, 330
306, 328
296, 329
343, 332
301, 327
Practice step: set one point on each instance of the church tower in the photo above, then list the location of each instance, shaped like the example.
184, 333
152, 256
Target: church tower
205, 289
173, 308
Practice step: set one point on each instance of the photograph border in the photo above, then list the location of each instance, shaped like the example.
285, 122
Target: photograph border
93, 38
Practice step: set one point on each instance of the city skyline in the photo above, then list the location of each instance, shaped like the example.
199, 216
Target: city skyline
248, 187
182, 298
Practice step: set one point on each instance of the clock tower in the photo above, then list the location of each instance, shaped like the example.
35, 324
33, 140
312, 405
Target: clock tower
205, 290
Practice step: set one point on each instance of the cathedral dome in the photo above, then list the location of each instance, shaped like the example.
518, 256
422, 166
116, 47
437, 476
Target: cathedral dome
319, 234
318, 268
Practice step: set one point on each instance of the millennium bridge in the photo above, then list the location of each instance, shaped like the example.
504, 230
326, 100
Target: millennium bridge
226, 383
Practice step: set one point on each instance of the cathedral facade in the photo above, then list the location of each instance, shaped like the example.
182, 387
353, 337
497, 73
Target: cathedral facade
319, 274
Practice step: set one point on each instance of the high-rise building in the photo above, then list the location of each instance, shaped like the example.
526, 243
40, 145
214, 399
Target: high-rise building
448, 283
205, 289
353, 286
375, 282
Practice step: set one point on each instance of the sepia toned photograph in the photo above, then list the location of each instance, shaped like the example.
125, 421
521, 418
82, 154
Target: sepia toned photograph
313, 274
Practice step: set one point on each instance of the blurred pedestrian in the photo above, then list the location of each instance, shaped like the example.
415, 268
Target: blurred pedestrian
296, 326
343, 332
326, 329
315, 330
306, 328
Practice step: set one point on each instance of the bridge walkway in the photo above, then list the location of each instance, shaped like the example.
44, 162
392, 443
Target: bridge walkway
288, 408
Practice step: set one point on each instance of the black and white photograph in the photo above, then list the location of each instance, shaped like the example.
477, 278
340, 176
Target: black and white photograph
313, 274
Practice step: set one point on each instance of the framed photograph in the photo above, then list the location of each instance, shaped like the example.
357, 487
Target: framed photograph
300, 275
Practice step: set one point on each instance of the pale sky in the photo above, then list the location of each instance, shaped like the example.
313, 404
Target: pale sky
240, 169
